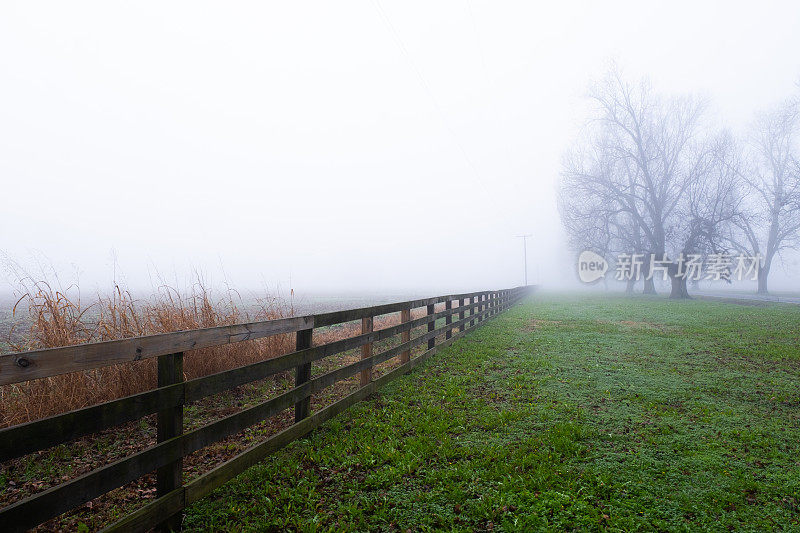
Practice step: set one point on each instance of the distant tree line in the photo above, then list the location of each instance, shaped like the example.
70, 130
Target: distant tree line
651, 176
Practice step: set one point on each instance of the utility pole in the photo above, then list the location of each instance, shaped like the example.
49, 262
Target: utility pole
525, 253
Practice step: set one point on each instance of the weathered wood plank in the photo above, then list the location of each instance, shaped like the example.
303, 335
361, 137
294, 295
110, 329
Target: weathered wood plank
26, 438
472, 310
405, 336
448, 319
337, 317
169, 424
144, 518
366, 350
54, 501
431, 326
23, 439
302, 373
206, 483
149, 516
24, 366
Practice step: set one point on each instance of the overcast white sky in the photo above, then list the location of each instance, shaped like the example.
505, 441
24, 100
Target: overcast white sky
355, 145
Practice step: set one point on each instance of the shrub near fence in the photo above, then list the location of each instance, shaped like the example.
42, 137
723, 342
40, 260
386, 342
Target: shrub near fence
462, 313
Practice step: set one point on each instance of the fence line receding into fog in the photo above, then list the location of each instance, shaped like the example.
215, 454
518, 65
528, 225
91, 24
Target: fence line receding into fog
462, 313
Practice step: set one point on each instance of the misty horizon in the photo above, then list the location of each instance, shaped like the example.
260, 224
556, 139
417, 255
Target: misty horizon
390, 159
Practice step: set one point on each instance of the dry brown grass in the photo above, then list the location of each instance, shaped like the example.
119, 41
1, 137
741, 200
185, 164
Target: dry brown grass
54, 317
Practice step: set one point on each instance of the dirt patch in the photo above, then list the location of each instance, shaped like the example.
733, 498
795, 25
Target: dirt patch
490, 394
631, 324
536, 323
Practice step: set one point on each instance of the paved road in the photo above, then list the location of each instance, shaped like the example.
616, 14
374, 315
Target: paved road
751, 297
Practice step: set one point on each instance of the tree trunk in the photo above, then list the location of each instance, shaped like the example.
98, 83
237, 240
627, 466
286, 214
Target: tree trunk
763, 274
678, 282
678, 288
762, 280
629, 286
649, 284
649, 287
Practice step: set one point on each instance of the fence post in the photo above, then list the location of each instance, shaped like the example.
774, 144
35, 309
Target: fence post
461, 315
472, 310
448, 319
169, 424
366, 350
302, 374
405, 336
431, 327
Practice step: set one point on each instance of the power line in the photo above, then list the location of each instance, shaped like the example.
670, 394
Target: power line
525, 254
426, 87
490, 83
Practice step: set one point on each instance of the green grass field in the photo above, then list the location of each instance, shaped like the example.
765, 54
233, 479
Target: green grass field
566, 412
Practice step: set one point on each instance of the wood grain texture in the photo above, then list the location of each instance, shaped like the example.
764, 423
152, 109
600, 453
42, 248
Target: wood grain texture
24, 366
26, 438
201, 486
405, 336
366, 350
173, 445
302, 373
169, 424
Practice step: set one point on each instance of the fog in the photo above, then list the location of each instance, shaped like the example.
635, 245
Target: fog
336, 146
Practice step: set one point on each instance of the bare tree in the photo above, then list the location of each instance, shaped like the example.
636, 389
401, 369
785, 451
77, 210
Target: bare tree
595, 217
770, 222
640, 164
708, 209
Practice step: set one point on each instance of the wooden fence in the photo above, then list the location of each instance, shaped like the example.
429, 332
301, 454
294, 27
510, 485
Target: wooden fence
172, 393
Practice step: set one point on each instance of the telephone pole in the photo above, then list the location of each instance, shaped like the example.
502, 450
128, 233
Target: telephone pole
525, 253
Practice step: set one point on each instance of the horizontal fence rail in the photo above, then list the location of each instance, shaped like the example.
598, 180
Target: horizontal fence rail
461, 314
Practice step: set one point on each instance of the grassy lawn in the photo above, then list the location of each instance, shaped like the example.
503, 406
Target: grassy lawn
564, 413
